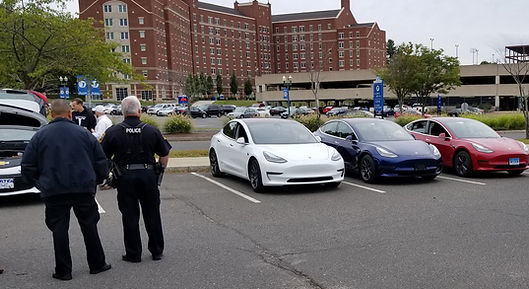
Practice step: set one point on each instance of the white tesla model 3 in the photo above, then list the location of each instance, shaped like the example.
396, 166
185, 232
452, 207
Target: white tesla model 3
274, 152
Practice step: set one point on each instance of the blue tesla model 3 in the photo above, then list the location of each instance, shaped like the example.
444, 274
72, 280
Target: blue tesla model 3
380, 148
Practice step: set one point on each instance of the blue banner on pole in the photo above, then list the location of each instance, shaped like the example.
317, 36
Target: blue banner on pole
378, 96
67, 92
82, 86
439, 102
62, 92
94, 88
285, 93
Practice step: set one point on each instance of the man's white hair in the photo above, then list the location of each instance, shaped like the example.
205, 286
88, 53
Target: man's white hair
130, 105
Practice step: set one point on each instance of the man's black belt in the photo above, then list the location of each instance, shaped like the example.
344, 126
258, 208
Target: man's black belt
132, 167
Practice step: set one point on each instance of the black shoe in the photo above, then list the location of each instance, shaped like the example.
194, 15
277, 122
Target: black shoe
102, 269
64, 277
157, 257
129, 259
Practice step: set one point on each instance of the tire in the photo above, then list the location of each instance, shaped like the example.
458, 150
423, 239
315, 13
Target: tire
463, 164
515, 172
241, 116
219, 115
214, 165
367, 169
254, 174
204, 115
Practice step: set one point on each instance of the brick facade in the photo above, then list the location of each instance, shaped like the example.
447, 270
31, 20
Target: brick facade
166, 40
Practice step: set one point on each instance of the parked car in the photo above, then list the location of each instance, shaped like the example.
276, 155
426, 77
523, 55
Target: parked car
154, 109
326, 109
115, 110
165, 111
11, 96
195, 111
380, 148
277, 110
337, 111
227, 108
263, 112
212, 109
19, 121
358, 113
469, 145
291, 155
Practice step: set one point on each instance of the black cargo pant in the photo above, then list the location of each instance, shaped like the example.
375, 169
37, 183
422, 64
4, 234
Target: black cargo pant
58, 221
135, 188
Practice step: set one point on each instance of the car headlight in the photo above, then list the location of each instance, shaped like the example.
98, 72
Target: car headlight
481, 148
336, 156
385, 153
273, 158
525, 148
434, 150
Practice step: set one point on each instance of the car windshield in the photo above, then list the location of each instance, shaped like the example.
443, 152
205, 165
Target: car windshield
13, 134
469, 128
381, 131
280, 132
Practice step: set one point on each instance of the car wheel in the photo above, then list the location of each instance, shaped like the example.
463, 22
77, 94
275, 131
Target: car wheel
367, 169
463, 164
515, 172
241, 116
219, 115
204, 115
214, 164
254, 174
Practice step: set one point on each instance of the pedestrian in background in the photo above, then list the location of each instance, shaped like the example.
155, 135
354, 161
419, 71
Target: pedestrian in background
131, 145
82, 115
66, 163
103, 122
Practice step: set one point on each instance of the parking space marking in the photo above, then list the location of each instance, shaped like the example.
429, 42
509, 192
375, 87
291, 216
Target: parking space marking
364, 187
461, 180
99, 208
228, 188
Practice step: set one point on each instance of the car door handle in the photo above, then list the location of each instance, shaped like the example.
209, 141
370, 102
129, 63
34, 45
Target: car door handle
427, 139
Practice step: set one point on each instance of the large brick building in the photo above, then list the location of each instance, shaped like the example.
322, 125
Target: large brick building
167, 40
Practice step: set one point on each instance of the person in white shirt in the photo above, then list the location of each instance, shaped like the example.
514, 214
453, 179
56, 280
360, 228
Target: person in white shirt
103, 122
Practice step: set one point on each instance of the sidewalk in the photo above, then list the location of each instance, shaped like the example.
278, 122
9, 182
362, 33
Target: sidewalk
187, 165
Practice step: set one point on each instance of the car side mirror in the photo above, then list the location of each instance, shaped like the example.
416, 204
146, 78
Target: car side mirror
443, 136
241, 140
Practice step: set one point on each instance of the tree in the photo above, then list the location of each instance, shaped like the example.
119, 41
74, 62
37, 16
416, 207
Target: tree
398, 75
219, 84
435, 73
209, 85
518, 68
314, 77
190, 86
234, 84
248, 88
38, 44
390, 49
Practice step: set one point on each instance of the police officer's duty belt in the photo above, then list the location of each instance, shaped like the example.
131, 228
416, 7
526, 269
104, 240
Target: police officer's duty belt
132, 167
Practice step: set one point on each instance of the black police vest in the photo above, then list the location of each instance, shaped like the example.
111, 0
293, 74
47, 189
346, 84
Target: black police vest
135, 152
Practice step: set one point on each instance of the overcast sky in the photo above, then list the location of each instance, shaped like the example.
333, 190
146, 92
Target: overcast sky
485, 25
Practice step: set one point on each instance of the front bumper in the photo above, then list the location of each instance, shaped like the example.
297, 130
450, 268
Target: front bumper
410, 167
302, 174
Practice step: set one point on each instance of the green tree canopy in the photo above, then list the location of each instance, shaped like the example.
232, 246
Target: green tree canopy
390, 49
209, 85
219, 84
234, 84
38, 44
248, 88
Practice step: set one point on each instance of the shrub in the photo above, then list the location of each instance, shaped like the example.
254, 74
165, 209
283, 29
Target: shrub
150, 120
501, 121
405, 119
310, 121
178, 124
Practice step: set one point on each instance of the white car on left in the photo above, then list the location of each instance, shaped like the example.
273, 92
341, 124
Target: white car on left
274, 152
19, 121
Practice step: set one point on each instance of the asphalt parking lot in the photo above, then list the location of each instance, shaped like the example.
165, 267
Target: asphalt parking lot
445, 233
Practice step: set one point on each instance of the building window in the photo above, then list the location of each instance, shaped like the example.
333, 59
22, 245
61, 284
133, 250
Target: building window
350, 34
141, 21
121, 93
358, 62
329, 26
146, 94
123, 22
124, 35
122, 8
341, 54
108, 21
145, 73
110, 35
310, 28
126, 60
319, 27
295, 56
142, 34
125, 48
210, 20
357, 33
294, 47
340, 44
143, 47
144, 60
341, 63
357, 43
340, 35
107, 8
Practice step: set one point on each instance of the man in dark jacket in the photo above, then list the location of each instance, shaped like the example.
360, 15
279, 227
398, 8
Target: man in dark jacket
82, 115
67, 170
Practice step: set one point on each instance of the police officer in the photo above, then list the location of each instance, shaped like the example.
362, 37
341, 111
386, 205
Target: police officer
131, 145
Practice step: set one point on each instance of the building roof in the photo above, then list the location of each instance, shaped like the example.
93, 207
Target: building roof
306, 16
370, 24
218, 8
522, 49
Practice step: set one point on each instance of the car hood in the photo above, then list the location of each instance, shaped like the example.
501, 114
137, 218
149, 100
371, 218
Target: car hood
405, 147
501, 145
300, 152
12, 113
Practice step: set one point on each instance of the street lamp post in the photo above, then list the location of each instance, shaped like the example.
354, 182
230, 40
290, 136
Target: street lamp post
287, 82
64, 82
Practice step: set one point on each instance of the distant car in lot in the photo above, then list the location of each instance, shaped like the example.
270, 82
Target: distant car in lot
115, 110
18, 123
358, 113
327, 109
468, 145
195, 111
277, 110
212, 109
154, 109
295, 111
380, 148
227, 108
337, 111
273, 152
263, 112
244, 112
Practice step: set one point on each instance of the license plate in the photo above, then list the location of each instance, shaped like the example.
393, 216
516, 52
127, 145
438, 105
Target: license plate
420, 167
7, 184
514, 161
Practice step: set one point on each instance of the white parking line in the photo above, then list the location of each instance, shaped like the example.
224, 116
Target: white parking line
99, 208
228, 188
461, 180
364, 187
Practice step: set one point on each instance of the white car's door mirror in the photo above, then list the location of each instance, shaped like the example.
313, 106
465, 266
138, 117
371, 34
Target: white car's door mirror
240, 140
